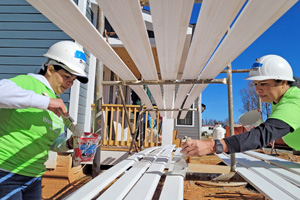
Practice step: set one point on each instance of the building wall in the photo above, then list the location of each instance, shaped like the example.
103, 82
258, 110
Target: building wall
25, 35
187, 130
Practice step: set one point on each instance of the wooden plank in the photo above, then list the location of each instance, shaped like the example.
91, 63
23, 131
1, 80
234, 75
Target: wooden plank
259, 183
68, 18
288, 165
213, 21
246, 29
173, 185
126, 17
170, 22
146, 186
258, 167
205, 168
288, 175
124, 184
92, 188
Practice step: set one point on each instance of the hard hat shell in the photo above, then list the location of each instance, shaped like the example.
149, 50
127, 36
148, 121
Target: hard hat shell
271, 67
72, 57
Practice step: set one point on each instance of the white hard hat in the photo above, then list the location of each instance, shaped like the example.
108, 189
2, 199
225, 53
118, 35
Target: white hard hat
69, 56
271, 67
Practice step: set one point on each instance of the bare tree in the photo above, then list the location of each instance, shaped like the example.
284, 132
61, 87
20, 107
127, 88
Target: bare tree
250, 100
297, 81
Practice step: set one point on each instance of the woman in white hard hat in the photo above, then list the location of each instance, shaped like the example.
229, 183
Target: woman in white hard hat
273, 80
30, 123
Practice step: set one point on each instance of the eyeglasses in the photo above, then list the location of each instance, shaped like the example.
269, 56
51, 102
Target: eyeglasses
263, 84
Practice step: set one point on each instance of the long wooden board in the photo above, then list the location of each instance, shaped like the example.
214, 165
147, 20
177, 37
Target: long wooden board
246, 29
261, 184
126, 18
66, 15
170, 22
213, 22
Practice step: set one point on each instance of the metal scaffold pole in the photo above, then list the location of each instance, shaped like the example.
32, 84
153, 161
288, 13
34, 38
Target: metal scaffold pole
230, 113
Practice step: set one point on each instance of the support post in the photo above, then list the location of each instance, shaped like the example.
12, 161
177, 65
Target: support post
230, 113
98, 118
200, 115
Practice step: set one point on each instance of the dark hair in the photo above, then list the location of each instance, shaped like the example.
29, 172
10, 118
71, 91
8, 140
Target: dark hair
43, 70
290, 83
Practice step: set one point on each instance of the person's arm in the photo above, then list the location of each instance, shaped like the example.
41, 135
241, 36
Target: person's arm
15, 97
258, 137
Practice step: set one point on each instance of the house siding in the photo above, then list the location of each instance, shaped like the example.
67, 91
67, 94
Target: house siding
25, 35
190, 131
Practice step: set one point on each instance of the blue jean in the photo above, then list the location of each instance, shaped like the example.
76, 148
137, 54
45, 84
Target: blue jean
17, 187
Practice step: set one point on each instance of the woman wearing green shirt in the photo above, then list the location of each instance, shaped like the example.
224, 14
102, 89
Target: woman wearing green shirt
30, 122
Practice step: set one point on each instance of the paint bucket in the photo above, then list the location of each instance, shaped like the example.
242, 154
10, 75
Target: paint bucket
218, 132
252, 118
85, 148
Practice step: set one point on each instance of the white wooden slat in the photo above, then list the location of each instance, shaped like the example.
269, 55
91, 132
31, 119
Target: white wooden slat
93, 187
173, 185
170, 22
256, 17
66, 15
126, 18
262, 185
214, 19
173, 188
147, 185
124, 184
288, 175
257, 167
288, 165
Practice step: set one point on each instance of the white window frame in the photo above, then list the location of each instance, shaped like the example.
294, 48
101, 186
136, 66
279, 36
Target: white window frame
193, 119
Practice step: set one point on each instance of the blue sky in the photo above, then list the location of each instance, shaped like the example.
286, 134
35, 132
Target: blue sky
282, 38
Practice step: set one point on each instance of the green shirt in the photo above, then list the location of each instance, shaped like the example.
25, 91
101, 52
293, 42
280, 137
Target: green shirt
26, 134
288, 110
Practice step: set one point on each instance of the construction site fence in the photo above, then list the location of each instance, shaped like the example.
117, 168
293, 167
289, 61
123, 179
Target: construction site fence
116, 132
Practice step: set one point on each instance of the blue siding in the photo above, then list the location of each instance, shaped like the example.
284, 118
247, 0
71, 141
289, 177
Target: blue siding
25, 35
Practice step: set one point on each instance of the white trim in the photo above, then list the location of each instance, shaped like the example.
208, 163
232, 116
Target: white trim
90, 94
74, 102
167, 131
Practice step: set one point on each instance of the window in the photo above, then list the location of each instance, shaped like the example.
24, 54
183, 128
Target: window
188, 120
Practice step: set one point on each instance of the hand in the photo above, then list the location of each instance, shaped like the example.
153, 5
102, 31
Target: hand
56, 105
197, 147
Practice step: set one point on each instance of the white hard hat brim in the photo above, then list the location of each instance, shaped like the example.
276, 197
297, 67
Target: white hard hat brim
261, 78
